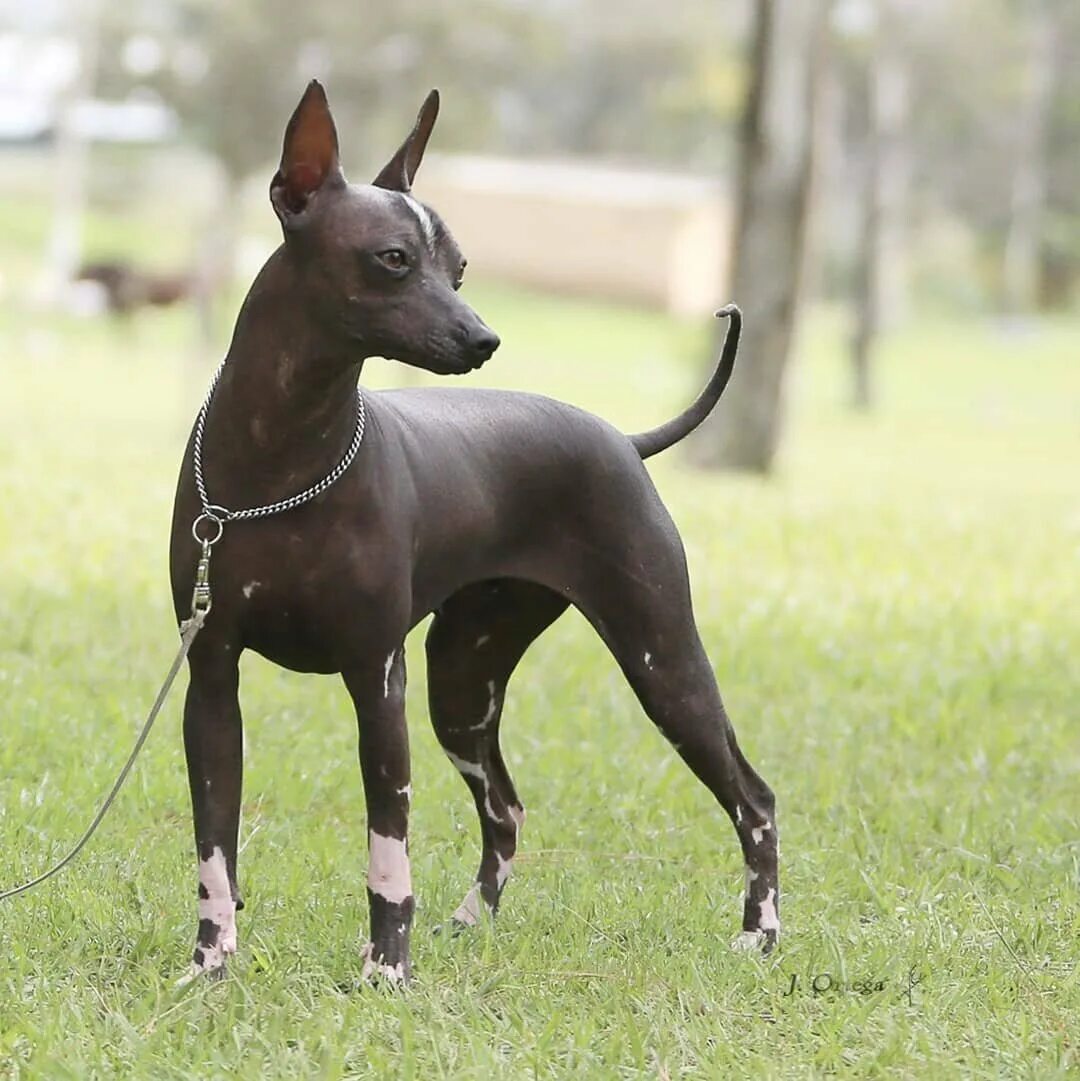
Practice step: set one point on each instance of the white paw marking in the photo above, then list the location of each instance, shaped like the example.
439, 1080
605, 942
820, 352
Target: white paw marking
219, 907
748, 940
759, 833
471, 909
251, 587
392, 973
388, 868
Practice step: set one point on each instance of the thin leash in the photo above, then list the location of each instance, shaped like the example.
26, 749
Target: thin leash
207, 530
189, 629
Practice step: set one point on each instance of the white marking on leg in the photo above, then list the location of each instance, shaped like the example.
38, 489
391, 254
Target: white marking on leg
424, 218
759, 833
386, 674
502, 870
406, 792
493, 705
738, 814
471, 909
769, 920
219, 907
648, 660
517, 813
388, 868
474, 769
751, 877
251, 587
483, 640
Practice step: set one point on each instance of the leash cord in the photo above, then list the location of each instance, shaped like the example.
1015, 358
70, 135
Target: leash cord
213, 518
188, 630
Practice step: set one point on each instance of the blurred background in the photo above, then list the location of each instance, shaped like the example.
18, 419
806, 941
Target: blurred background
886, 161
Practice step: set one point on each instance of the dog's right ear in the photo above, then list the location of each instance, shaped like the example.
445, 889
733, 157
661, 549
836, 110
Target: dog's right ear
309, 157
398, 173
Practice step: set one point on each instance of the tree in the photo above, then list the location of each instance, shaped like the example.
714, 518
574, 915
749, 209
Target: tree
1020, 255
879, 269
777, 149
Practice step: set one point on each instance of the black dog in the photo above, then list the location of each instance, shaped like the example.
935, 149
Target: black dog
492, 510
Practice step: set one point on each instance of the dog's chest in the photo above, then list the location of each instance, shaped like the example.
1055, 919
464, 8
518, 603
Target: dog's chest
302, 613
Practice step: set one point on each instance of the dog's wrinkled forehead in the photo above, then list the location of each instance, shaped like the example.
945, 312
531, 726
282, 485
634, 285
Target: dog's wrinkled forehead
369, 214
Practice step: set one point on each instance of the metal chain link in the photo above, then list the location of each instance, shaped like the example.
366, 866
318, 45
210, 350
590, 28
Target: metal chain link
217, 513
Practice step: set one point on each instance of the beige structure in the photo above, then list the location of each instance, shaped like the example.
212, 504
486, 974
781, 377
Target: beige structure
643, 237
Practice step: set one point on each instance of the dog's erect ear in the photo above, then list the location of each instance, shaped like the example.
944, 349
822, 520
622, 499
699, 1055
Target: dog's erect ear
309, 156
397, 174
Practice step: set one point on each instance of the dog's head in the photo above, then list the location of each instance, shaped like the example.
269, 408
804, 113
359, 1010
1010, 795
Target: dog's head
381, 267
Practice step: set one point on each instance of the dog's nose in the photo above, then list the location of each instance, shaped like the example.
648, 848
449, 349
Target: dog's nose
483, 342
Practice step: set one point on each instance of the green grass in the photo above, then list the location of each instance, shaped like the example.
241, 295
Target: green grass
895, 622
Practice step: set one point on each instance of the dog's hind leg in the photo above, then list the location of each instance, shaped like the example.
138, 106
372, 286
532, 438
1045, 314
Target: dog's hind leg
475, 642
647, 621
213, 743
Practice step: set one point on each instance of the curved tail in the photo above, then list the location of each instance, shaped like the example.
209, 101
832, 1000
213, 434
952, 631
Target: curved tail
667, 435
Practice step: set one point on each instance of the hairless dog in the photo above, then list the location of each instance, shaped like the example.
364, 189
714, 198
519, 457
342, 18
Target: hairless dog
493, 510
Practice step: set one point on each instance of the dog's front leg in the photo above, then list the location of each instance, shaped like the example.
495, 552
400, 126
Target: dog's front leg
378, 692
213, 743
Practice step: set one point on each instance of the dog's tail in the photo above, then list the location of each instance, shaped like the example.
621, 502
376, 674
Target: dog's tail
657, 439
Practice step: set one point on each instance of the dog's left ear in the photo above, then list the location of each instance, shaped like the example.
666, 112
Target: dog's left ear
397, 174
309, 157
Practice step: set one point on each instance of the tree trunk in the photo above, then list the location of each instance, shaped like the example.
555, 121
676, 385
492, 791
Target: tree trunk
777, 142
70, 158
1020, 259
880, 273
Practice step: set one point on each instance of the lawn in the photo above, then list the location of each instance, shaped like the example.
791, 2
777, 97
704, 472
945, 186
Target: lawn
895, 622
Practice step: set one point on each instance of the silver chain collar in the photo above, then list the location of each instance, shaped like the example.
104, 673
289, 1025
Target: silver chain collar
214, 516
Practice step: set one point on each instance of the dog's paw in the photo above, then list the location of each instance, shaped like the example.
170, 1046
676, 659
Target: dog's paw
471, 911
755, 941
380, 972
212, 951
204, 972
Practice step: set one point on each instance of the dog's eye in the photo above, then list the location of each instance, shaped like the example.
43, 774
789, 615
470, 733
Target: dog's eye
393, 259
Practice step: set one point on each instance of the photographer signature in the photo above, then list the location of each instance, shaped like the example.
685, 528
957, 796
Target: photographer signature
825, 983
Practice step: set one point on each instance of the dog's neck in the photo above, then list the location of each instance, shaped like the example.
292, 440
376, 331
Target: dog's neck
288, 388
